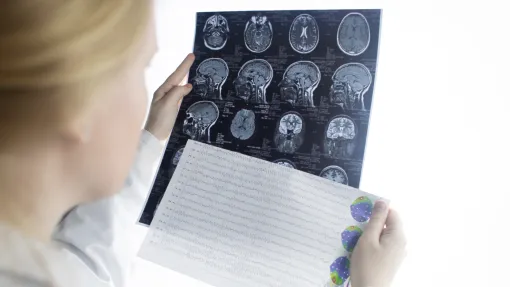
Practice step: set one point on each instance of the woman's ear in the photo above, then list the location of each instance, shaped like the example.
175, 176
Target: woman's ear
78, 130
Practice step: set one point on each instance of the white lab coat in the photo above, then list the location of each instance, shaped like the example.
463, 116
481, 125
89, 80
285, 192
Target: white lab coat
91, 245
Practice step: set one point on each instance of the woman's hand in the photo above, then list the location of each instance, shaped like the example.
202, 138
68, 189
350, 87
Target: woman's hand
380, 250
166, 101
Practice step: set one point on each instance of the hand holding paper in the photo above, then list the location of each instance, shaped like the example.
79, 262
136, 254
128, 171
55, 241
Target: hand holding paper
380, 250
231, 220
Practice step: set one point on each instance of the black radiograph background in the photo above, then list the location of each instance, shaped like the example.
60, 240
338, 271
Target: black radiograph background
327, 56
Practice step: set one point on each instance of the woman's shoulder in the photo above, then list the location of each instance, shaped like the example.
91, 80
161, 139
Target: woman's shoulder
13, 280
23, 260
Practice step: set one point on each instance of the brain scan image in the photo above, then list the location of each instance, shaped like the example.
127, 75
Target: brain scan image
211, 75
200, 117
258, 34
177, 156
243, 124
304, 34
361, 209
350, 83
340, 270
289, 134
353, 36
252, 81
340, 138
299, 82
285, 163
216, 32
350, 237
335, 173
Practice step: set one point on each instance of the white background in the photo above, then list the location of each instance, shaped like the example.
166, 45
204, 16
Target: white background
439, 131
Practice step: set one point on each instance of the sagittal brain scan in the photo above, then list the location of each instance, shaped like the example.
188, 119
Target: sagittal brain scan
265, 86
335, 173
243, 124
177, 156
290, 132
350, 83
304, 34
252, 81
258, 34
200, 117
211, 75
216, 32
339, 138
299, 82
285, 163
353, 36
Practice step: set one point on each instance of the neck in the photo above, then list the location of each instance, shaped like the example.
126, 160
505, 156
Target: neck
32, 200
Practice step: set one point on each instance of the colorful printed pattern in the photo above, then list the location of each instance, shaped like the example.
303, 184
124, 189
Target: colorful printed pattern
361, 209
339, 270
350, 237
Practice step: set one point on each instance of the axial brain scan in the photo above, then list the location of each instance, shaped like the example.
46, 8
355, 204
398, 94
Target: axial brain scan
252, 81
350, 83
304, 34
299, 82
335, 173
243, 124
177, 156
211, 75
285, 163
216, 32
340, 135
353, 36
258, 34
289, 134
200, 117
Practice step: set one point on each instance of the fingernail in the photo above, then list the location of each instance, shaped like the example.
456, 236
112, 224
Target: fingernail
380, 206
189, 86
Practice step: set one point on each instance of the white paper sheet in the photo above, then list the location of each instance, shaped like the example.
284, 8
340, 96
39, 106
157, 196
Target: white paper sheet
228, 219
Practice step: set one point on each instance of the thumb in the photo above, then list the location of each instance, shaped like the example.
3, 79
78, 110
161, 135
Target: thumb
176, 93
376, 224
394, 231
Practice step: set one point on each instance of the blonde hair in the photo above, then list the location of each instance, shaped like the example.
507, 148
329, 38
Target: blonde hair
54, 52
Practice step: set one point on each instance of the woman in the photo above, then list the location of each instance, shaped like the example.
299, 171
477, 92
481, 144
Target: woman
72, 101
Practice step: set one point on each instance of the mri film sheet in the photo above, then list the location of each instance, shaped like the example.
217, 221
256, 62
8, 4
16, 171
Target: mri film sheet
291, 87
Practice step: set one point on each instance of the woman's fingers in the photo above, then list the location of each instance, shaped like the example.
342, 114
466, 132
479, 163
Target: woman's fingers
175, 95
394, 231
378, 254
377, 221
175, 78
181, 71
